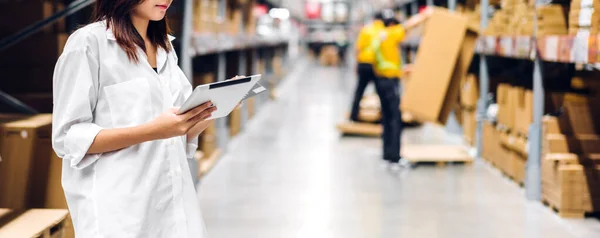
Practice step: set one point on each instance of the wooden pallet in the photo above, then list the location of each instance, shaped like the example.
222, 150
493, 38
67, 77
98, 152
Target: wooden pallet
362, 129
208, 162
441, 155
564, 213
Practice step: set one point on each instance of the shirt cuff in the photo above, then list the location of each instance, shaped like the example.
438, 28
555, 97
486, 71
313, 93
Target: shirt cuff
191, 148
78, 140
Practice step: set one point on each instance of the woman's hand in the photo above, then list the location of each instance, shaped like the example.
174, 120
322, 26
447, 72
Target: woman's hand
169, 124
197, 129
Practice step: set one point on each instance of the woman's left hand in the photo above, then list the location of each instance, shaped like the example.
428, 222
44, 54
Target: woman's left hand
197, 129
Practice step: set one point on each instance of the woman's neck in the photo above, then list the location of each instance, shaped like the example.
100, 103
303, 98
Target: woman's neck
141, 25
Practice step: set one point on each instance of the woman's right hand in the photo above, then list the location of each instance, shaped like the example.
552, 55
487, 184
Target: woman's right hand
170, 124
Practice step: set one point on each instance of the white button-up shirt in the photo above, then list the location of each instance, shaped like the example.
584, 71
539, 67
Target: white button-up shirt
145, 190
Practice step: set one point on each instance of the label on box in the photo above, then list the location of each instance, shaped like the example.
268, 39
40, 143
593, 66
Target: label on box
585, 16
579, 54
523, 46
551, 49
586, 3
24, 134
490, 45
506, 46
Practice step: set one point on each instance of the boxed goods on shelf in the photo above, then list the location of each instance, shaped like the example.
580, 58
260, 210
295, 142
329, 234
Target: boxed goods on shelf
233, 21
469, 92
523, 110
329, 56
571, 183
491, 141
48, 223
208, 140
469, 125
450, 59
26, 149
251, 105
506, 105
16, 15
578, 144
204, 78
583, 16
235, 120
581, 113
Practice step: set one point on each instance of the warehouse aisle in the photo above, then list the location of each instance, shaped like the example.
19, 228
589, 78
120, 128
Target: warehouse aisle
290, 174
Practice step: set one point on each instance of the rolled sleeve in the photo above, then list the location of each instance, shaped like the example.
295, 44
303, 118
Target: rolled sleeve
75, 96
191, 148
78, 141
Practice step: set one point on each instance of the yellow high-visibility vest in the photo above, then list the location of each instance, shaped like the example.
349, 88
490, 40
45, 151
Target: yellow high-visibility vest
366, 54
388, 62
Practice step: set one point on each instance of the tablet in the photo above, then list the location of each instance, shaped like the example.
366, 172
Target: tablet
225, 95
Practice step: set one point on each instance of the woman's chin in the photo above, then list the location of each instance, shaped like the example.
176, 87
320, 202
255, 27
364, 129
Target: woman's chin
157, 17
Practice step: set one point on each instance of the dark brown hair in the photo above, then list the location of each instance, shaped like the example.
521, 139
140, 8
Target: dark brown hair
117, 16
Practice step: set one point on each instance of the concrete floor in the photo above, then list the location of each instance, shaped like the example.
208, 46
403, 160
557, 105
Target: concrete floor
290, 174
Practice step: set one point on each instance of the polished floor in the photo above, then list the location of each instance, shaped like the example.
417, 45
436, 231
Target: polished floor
291, 174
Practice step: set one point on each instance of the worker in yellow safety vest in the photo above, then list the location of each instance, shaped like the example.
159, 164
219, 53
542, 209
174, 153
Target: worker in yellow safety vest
388, 70
366, 58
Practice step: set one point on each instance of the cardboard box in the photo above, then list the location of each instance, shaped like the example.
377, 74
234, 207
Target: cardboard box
570, 187
329, 56
204, 78
491, 141
235, 120
469, 125
523, 110
505, 99
234, 22
576, 144
25, 148
15, 16
251, 105
582, 114
450, 59
47, 223
469, 92
41, 51
519, 163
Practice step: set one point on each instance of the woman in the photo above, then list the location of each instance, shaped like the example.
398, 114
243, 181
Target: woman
116, 89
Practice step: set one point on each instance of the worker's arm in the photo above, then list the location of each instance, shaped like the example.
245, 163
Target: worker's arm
362, 41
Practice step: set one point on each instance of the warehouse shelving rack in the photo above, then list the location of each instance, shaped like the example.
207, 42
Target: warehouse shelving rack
536, 49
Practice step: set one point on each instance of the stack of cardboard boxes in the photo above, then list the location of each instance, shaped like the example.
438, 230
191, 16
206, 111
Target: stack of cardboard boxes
27, 67
329, 56
584, 16
515, 115
571, 147
30, 171
238, 17
469, 94
517, 18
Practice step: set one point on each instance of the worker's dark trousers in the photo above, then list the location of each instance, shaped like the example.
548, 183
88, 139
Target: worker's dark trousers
389, 95
365, 75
